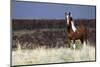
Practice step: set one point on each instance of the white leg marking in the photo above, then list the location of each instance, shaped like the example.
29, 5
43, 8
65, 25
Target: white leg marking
73, 26
84, 44
74, 46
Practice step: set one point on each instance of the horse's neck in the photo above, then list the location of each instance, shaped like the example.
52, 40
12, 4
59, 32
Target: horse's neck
69, 28
73, 26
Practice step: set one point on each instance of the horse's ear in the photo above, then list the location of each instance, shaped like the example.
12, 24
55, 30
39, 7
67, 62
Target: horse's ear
69, 13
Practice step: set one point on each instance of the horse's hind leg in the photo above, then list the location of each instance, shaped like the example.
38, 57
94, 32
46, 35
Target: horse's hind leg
83, 41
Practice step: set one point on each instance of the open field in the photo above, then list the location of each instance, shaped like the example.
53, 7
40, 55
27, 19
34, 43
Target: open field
50, 38
52, 55
47, 32
44, 41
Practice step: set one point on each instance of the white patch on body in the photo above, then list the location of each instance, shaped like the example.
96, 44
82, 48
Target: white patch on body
73, 26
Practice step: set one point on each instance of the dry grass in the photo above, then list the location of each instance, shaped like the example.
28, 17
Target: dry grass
52, 55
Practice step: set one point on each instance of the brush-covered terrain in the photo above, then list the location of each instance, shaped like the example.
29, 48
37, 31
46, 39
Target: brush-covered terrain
44, 41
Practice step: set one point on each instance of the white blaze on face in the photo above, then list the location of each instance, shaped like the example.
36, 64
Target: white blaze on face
67, 16
73, 26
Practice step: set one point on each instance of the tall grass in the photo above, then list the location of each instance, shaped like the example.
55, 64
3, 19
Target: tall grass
44, 55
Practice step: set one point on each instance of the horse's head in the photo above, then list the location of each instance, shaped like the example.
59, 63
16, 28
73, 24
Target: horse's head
68, 18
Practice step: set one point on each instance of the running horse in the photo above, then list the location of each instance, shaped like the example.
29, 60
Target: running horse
75, 33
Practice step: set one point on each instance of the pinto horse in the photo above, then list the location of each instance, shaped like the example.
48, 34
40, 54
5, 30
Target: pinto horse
75, 33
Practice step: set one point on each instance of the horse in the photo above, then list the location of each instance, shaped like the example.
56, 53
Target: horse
74, 33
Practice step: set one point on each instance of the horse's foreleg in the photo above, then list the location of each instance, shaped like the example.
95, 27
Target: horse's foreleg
68, 41
74, 45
